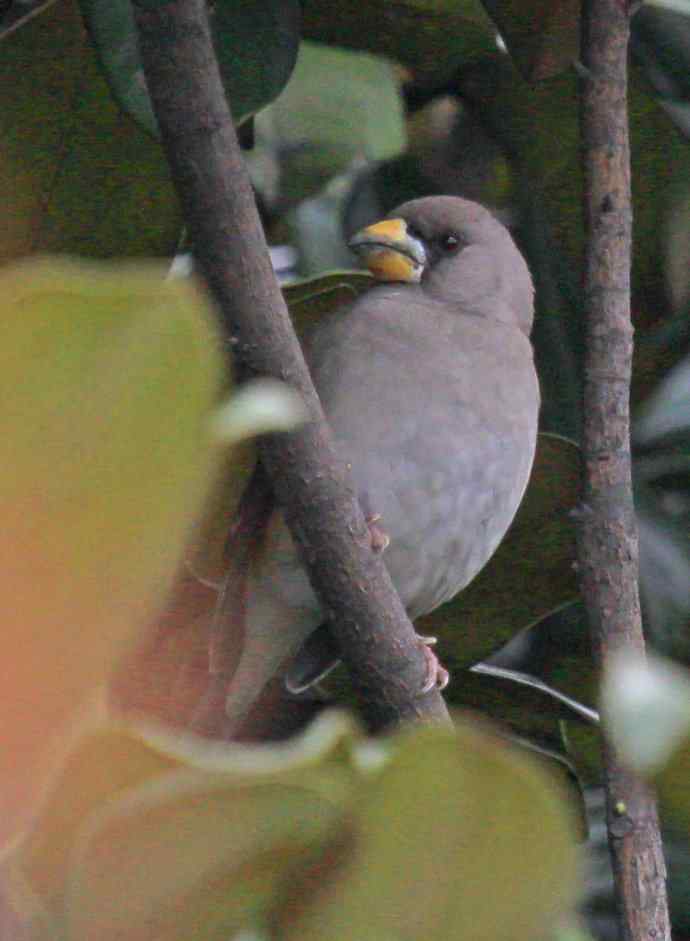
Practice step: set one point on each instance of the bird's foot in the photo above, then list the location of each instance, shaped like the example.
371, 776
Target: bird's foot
437, 677
379, 539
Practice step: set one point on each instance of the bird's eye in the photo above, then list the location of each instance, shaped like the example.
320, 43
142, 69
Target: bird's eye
450, 243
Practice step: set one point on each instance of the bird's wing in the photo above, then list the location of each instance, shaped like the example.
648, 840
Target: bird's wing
228, 631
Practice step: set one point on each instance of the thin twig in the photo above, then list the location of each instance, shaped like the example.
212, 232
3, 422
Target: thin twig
608, 541
370, 626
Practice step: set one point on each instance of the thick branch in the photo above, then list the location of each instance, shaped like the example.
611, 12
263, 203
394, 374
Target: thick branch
369, 623
608, 542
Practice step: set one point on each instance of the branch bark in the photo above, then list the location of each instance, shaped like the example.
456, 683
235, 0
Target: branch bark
608, 540
372, 630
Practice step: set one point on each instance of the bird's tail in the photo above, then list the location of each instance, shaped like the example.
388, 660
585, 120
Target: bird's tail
274, 633
265, 611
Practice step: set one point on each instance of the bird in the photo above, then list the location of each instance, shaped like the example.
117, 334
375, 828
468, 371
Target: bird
429, 386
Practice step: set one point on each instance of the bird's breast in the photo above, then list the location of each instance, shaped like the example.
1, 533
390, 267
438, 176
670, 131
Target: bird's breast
441, 439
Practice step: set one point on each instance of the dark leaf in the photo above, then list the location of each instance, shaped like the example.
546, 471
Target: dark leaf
531, 573
464, 808
543, 37
431, 37
256, 44
77, 175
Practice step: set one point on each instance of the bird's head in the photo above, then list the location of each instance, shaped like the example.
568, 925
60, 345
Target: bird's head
456, 251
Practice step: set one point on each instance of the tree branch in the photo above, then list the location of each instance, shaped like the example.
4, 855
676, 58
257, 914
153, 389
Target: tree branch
371, 628
608, 541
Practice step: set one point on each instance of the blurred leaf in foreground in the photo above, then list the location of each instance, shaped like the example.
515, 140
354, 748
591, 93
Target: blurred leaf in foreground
107, 378
435, 832
304, 139
647, 704
330, 836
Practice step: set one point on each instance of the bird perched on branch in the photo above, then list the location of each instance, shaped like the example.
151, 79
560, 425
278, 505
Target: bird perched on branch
429, 386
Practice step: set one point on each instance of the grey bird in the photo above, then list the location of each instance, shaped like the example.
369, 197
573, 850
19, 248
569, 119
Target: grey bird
429, 385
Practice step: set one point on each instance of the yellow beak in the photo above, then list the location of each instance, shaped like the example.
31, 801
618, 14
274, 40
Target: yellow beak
390, 252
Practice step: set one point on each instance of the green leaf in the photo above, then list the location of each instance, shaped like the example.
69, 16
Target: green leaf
659, 39
667, 410
572, 932
583, 748
256, 44
306, 139
239, 845
525, 119
434, 834
160, 836
532, 713
432, 37
647, 704
313, 299
672, 785
647, 707
677, 254
15, 15
97, 768
560, 654
76, 174
235, 804
525, 697
665, 566
661, 435
550, 694
531, 573
106, 459
543, 37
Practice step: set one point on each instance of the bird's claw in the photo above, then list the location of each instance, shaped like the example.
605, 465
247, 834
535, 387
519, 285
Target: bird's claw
437, 677
379, 540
